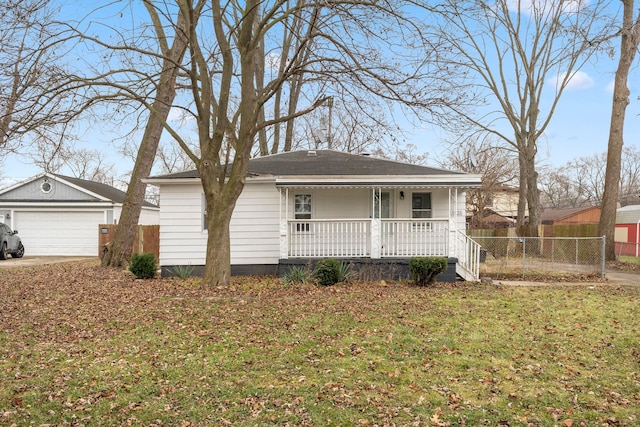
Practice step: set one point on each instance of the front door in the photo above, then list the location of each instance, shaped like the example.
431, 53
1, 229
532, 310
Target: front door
382, 206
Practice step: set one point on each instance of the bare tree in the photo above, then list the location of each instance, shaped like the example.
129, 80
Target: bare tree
38, 95
581, 181
88, 164
227, 98
629, 40
511, 49
498, 168
578, 183
169, 60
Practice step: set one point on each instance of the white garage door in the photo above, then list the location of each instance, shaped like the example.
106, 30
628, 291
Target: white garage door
59, 233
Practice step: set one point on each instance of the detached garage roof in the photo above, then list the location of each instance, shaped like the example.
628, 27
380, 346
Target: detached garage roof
50, 188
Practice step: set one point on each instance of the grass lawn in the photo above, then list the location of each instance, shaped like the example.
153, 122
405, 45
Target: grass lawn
80, 345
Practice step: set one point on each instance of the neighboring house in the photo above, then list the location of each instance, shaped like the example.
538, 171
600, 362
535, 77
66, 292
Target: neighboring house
297, 207
504, 202
627, 233
490, 220
59, 215
582, 215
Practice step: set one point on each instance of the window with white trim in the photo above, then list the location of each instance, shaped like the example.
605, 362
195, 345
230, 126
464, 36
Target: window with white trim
421, 205
205, 227
302, 210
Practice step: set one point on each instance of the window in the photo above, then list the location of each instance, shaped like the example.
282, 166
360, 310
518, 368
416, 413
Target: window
302, 210
421, 205
204, 214
46, 186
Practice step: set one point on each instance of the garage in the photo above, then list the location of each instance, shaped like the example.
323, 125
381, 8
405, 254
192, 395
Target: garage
58, 215
62, 233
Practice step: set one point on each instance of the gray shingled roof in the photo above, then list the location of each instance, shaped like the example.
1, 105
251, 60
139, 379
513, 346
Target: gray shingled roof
101, 189
327, 163
628, 214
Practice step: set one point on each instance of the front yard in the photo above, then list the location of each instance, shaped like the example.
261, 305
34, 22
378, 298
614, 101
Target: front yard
80, 345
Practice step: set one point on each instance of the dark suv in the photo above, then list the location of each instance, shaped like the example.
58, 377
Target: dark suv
10, 243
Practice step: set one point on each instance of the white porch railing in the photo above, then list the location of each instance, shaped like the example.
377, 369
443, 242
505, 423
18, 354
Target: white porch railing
329, 238
468, 254
372, 238
411, 237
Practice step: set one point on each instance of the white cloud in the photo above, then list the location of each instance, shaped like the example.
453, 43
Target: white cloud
179, 116
610, 86
545, 7
578, 81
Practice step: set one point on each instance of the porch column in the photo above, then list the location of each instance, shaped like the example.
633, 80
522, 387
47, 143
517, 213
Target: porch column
376, 245
284, 235
453, 225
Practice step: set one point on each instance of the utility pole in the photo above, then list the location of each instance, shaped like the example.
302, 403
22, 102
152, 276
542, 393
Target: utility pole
329, 136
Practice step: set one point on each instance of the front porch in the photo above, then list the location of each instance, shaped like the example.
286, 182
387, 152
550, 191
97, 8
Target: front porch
384, 242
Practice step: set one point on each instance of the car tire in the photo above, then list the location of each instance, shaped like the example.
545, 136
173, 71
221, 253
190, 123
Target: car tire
19, 253
3, 251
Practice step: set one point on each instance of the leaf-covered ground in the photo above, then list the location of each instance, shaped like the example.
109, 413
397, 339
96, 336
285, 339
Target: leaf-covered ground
81, 345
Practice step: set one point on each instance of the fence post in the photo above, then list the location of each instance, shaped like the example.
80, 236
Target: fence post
602, 256
524, 256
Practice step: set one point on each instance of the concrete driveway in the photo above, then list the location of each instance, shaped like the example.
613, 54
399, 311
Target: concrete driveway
40, 260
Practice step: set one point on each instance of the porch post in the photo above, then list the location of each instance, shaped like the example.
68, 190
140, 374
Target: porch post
284, 242
453, 213
376, 244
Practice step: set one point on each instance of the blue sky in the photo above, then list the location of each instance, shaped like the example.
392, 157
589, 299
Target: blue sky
580, 125
579, 128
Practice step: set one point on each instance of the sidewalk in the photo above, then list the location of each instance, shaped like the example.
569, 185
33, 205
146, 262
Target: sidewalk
612, 277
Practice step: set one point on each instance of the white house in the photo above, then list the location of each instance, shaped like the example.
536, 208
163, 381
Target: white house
59, 215
307, 205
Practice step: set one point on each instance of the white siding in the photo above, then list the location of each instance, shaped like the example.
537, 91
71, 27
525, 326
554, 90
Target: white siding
148, 216
254, 227
335, 203
182, 240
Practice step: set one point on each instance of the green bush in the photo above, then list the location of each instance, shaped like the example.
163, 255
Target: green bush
143, 266
327, 272
424, 270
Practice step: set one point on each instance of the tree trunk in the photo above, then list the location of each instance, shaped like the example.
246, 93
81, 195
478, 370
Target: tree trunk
119, 252
533, 193
628, 45
522, 195
121, 247
217, 269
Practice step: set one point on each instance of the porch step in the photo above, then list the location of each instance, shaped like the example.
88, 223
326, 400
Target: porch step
466, 274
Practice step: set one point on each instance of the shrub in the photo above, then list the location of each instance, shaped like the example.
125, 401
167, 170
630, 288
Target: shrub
143, 266
424, 270
345, 272
327, 272
183, 271
296, 275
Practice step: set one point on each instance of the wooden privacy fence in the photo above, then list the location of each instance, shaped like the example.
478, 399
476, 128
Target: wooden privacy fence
147, 239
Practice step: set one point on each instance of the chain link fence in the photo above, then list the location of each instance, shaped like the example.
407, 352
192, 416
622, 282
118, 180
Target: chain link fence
629, 249
541, 255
